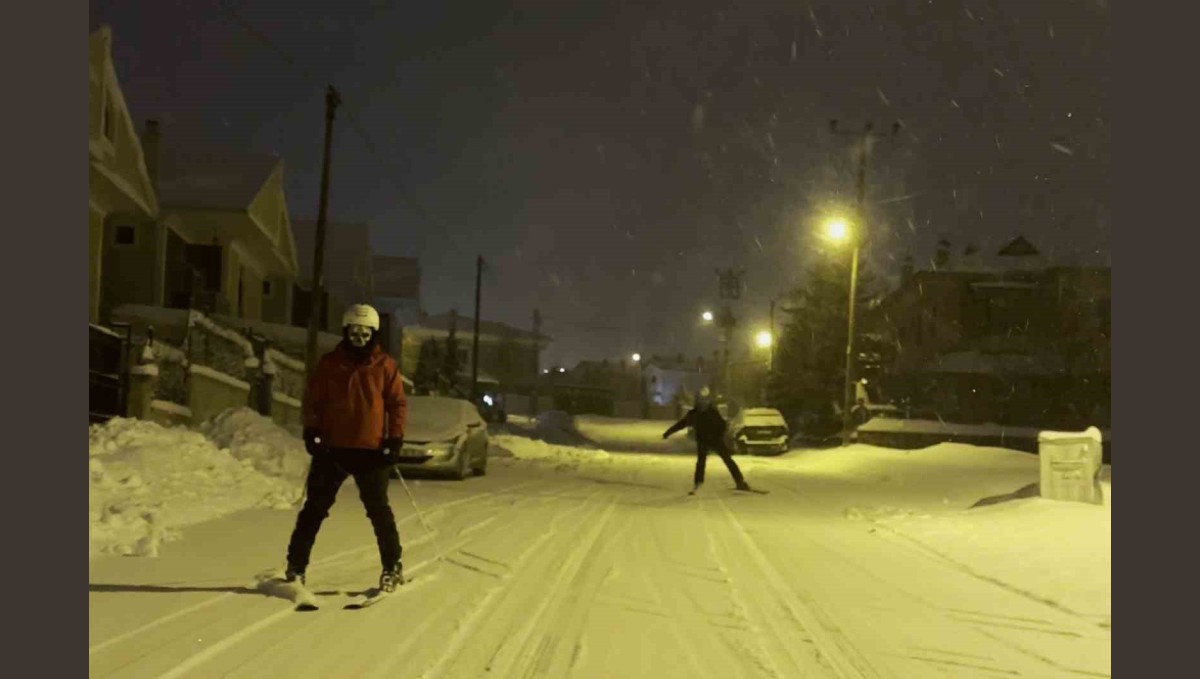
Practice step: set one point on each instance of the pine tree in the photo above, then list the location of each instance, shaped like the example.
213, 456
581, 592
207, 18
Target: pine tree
425, 378
809, 369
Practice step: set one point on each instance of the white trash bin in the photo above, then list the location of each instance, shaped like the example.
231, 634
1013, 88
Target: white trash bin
1070, 463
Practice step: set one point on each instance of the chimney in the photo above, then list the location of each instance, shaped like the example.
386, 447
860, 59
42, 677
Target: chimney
942, 258
151, 138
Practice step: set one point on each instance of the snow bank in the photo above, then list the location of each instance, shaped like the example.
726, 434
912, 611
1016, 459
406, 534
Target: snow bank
523, 448
249, 436
899, 426
633, 435
557, 427
147, 481
1054, 551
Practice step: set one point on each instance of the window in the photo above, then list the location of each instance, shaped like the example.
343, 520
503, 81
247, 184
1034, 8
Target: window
124, 234
266, 290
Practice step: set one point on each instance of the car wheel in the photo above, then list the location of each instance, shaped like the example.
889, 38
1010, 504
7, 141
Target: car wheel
481, 468
463, 467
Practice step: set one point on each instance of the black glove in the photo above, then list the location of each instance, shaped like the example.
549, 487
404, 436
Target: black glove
666, 436
312, 441
391, 448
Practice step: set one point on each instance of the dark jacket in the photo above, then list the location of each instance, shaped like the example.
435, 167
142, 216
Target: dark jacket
355, 401
708, 423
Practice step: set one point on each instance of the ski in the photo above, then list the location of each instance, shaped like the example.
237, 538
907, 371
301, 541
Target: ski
752, 490
297, 593
367, 599
373, 596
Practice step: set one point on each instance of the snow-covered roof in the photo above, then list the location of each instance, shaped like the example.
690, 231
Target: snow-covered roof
465, 325
209, 178
674, 364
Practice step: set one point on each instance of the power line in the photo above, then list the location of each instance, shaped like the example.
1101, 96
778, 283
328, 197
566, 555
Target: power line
231, 10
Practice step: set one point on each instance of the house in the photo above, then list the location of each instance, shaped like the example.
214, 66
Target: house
622, 379
507, 355
396, 294
122, 205
347, 270
674, 379
1006, 335
228, 247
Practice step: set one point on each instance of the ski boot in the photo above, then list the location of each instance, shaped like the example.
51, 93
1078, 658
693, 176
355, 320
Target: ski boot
391, 578
294, 575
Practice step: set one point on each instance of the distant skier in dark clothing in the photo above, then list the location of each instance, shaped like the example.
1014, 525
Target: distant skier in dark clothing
710, 435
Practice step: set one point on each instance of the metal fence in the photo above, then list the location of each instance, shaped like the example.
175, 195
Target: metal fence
108, 386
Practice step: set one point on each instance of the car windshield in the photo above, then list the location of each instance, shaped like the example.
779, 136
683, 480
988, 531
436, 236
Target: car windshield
434, 418
762, 418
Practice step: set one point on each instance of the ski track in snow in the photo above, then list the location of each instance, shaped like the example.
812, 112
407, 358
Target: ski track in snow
238, 636
589, 574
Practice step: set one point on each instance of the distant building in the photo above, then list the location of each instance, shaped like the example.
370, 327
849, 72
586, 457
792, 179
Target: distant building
674, 379
1006, 336
347, 270
396, 293
507, 355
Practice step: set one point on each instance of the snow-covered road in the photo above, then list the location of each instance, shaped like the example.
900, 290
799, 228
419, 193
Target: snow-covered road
576, 563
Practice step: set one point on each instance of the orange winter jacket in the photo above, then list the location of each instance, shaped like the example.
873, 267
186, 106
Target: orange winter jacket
355, 402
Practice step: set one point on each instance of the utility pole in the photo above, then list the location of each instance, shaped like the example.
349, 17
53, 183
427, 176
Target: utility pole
866, 138
537, 360
771, 349
332, 101
730, 289
475, 340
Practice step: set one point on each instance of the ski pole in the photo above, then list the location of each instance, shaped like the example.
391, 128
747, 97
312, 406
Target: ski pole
420, 517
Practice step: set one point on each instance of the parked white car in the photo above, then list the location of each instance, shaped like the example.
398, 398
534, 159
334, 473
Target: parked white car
445, 436
758, 431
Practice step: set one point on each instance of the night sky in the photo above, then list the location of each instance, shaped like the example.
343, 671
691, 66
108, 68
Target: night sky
605, 159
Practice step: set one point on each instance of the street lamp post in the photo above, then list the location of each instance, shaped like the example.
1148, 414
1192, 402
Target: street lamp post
839, 230
765, 339
637, 359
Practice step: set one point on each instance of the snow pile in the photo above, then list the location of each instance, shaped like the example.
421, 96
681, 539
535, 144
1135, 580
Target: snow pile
249, 436
633, 435
558, 427
147, 481
978, 507
532, 449
1055, 551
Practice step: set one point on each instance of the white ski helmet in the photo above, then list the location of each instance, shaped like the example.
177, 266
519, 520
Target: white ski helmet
361, 314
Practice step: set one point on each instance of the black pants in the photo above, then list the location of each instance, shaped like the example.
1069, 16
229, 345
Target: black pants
719, 448
329, 470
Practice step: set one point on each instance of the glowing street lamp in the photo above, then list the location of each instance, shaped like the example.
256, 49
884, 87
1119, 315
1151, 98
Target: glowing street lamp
637, 358
707, 316
763, 339
837, 230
